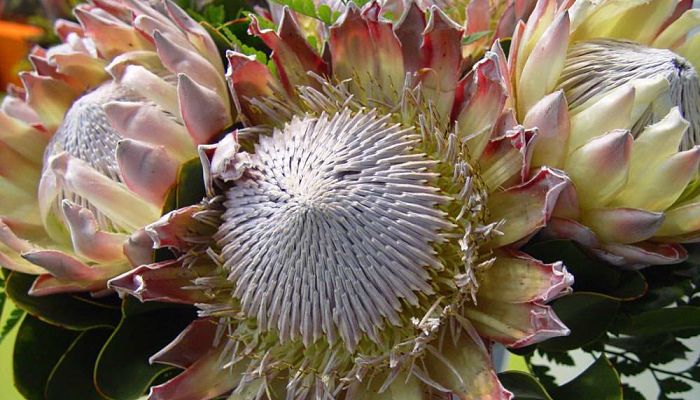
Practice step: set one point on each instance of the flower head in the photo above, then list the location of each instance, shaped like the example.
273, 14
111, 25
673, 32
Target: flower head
99, 131
613, 89
360, 234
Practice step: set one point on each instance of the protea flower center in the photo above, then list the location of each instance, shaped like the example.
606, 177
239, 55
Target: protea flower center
87, 134
598, 66
333, 233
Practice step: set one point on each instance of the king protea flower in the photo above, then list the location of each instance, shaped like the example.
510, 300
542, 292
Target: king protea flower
613, 89
359, 238
100, 131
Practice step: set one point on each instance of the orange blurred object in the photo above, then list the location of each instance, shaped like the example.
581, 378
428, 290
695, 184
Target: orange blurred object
15, 42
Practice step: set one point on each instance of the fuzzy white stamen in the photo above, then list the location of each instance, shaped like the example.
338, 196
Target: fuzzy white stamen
333, 229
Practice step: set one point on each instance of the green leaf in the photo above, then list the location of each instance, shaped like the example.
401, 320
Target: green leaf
2, 295
11, 321
308, 8
190, 184
656, 298
71, 311
673, 385
236, 43
630, 393
627, 367
39, 346
543, 375
558, 357
471, 38
215, 14
72, 377
325, 14
588, 315
695, 371
600, 381
523, 386
122, 370
654, 349
66, 310
665, 320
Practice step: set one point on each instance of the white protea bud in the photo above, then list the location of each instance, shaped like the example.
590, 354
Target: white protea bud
596, 67
92, 145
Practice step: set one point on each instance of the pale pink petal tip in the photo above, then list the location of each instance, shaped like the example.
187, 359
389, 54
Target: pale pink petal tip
165, 281
148, 171
87, 238
172, 228
562, 280
545, 325
643, 254
203, 111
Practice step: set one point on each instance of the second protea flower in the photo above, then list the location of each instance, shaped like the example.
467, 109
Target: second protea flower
359, 237
612, 87
100, 131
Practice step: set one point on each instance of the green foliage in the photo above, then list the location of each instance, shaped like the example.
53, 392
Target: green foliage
523, 386
599, 381
72, 376
12, 320
227, 23
122, 370
15, 315
629, 320
471, 38
75, 312
39, 347
322, 12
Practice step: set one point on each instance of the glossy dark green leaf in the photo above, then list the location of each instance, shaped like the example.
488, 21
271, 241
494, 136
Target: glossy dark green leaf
665, 320
122, 370
656, 298
190, 184
38, 348
66, 310
523, 386
72, 377
632, 285
588, 315
600, 381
